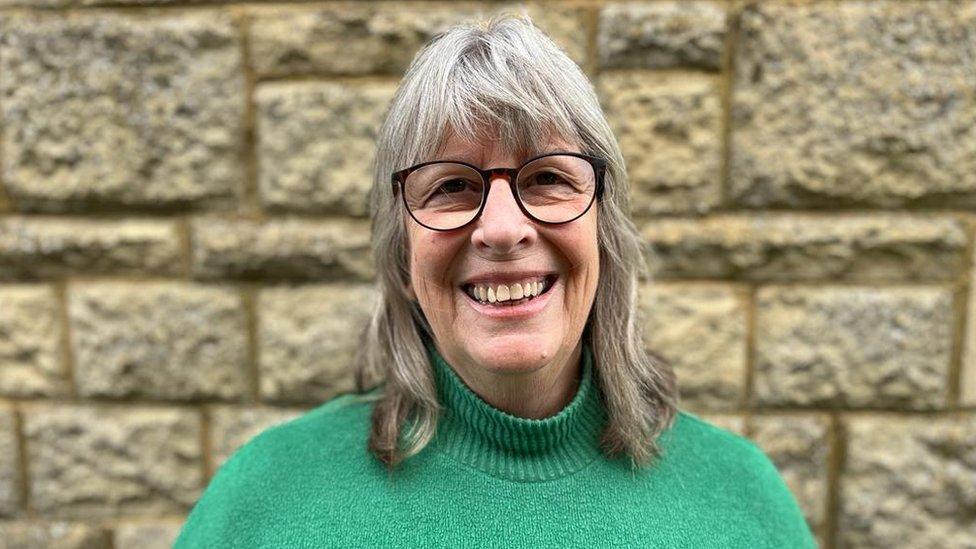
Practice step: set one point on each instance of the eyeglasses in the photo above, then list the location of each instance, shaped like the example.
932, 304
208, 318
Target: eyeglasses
553, 188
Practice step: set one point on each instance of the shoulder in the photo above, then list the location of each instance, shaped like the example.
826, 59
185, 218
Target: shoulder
737, 469
693, 439
269, 475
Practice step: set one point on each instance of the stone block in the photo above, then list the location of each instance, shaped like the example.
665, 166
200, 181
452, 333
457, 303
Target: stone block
669, 127
853, 347
89, 462
308, 338
661, 35
289, 248
166, 340
10, 464
232, 426
967, 380
316, 143
799, 446
908, 482
48, 247
730, 422
861, 104
785, 247
356, 39
53, 535
146, 535
31, 362
114, 110
701, 330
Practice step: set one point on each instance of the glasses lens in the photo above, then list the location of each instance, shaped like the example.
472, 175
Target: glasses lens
557, 188
444, 195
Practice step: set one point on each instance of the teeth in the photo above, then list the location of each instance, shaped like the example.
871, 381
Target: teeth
505, 292
517, 291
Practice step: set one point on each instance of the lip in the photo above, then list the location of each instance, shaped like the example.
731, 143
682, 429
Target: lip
505, 278
510, 312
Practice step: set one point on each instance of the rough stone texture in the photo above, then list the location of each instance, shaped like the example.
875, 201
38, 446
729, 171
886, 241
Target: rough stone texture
669, 129
855, 104
308, 337
133, 111
9, 465
661, 35
355, 39
732, 423
149, 535
799, 446
30, 333
765, 246
701, 331
169, 340
909, 482
112, 461
316, 143
287, 248
967, 381
853, 347
232, 426
47, 247
53, 535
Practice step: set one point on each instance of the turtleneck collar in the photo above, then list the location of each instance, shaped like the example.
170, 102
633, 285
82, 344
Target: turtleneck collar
516, 448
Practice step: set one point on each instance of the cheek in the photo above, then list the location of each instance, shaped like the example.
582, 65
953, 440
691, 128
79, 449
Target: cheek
431, 257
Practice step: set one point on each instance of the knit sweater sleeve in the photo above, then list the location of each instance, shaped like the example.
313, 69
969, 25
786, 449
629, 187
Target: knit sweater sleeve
784, 521
226, 514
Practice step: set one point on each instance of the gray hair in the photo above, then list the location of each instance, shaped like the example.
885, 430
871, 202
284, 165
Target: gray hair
504, 77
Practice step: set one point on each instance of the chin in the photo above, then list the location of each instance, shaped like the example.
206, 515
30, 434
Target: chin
521, 353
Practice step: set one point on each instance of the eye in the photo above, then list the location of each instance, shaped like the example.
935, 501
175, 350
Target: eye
548, 179
452, 186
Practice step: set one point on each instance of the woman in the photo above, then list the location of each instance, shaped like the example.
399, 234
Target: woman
505, 395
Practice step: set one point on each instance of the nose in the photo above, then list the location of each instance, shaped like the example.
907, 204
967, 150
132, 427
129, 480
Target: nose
502, 227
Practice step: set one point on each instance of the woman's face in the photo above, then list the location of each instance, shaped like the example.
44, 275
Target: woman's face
503, 246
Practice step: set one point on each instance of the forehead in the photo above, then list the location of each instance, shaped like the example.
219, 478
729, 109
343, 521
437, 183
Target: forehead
491, 149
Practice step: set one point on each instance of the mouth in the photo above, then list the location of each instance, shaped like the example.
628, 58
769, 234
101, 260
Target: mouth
512, 294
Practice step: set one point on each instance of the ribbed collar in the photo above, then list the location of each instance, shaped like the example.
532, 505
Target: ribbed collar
516, 448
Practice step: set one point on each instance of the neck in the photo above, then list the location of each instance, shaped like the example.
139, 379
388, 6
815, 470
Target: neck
537, 394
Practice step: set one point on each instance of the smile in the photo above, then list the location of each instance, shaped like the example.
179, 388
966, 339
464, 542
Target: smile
510, 294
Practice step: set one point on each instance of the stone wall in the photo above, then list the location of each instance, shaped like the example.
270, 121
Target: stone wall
183, 237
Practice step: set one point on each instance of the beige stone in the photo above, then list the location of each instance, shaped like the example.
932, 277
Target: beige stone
10, 464
233, 426
669, 130
701, 331
282, 248
967, 381
853, 347
383, 39
732, 423
308, 338
146, 535
30, 351
168, 340
53, 535
659, 35
772, 246
316, 143
48, 247
855, 104
908, 482
122, 110
799, 446
88, 461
